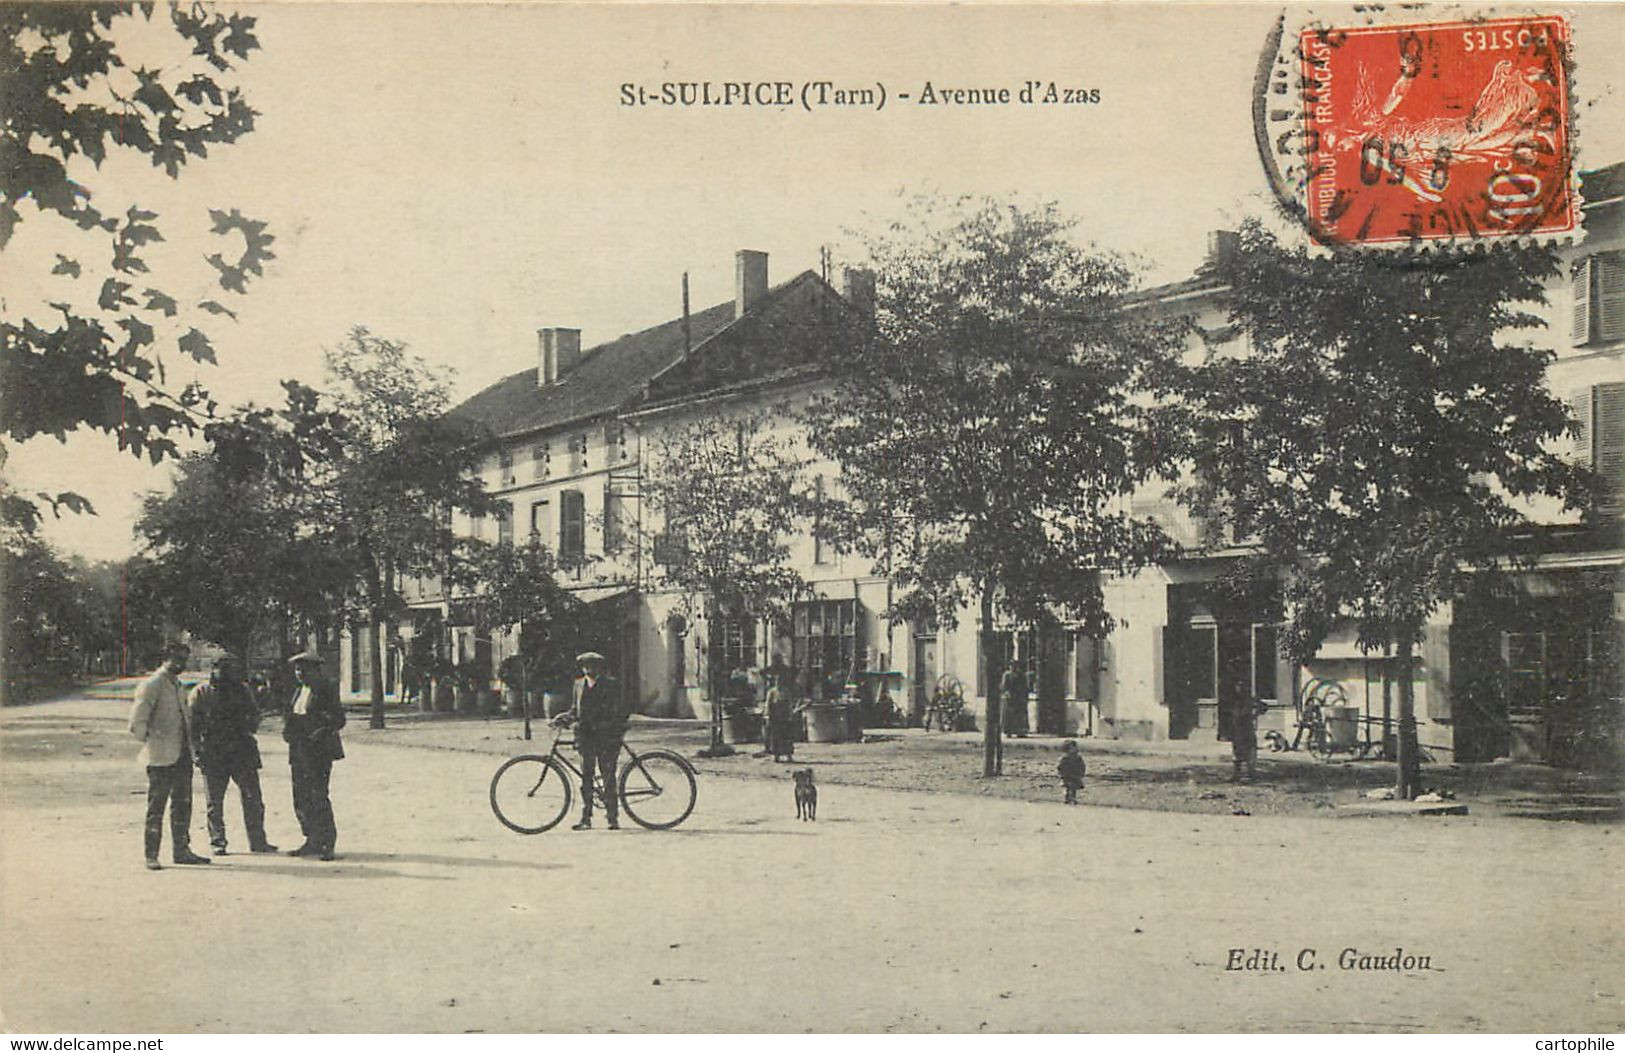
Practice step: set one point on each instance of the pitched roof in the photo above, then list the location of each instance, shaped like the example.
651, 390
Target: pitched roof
607, 376
1603, 184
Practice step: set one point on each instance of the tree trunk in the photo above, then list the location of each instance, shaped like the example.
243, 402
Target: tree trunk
992, 737
375, 649
1410, 767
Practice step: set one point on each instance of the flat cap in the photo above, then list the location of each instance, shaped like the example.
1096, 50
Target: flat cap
306, 656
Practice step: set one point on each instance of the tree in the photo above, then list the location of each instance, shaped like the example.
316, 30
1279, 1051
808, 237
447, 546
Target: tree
43, 619
1379, 436
95, 357
387, 467
518, 585
986, 435
727, 495
232, 555
68, 619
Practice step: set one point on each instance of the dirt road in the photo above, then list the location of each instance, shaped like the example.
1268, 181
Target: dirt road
895, 911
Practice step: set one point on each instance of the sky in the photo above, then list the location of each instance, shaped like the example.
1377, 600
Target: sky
457, 176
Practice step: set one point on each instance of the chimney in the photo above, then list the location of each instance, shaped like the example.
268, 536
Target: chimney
858, 287
560, 351
750, 279
1221, 246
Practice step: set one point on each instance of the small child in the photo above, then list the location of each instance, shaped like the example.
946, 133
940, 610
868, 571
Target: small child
1071, 770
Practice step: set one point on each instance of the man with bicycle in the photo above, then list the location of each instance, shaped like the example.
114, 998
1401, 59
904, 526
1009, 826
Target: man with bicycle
600, 724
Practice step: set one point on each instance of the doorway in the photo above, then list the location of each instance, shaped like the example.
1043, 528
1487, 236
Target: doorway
924, 676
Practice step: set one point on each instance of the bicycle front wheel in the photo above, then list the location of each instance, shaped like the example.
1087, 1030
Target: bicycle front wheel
530, 794
658, 789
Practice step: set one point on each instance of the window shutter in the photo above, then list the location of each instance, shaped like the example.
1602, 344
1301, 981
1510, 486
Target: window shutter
572, 523
1610, 295
612, 525
1580, 282
541, 522
1608, 442
1435, 655
1580, 407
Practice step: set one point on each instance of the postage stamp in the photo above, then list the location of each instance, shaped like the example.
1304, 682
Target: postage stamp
1425, 132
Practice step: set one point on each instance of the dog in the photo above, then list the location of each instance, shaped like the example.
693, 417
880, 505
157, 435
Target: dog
1277, 741
806, 795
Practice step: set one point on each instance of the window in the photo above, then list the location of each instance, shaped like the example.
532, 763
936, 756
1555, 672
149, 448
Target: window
578, 453
476, 526
540, 461
505, 468
1600, 411
540, 523
1010, 647
1553, 663
615, 450
733, 645
1082, 665
1202, 662
505, 525
1264, 662
572, 525
1598, 282
824, 641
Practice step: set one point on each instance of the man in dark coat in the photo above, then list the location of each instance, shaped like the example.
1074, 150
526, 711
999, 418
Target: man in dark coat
224, 719
1244, 737
1013, 689
311, 720
600, 722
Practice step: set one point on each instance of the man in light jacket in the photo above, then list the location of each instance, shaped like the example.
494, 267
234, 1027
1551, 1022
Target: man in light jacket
159, 719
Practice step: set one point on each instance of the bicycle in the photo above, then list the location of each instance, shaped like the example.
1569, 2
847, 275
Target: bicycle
530, 793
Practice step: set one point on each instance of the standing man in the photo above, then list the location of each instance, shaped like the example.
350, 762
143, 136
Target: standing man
600, 722
1244, 738
311, 720
1013, 688
159, 720
224, 719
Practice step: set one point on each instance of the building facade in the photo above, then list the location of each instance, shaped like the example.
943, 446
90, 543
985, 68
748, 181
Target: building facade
1492, 678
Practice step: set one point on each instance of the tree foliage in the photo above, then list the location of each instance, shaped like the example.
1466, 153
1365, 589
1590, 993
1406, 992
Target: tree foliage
386, 469
1381, 432
730, 494
518, 585
232, 556
986, 435
317, 512
97, 356
68, 619
513, 585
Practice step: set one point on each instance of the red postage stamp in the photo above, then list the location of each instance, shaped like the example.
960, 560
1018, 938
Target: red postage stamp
1442, 131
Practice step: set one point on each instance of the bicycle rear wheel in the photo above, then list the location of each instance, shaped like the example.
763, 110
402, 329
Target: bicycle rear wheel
530, 793
658, 789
